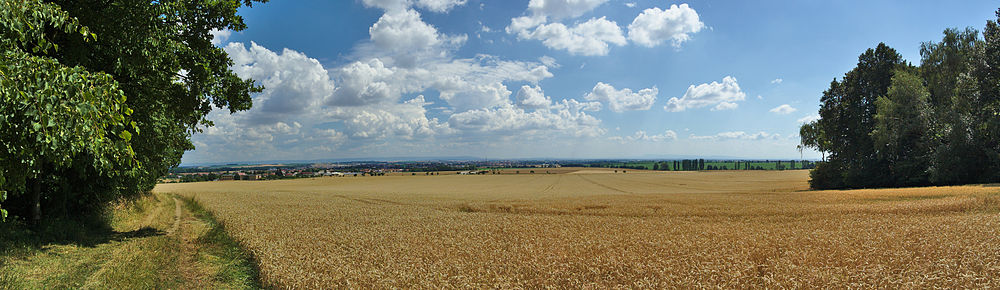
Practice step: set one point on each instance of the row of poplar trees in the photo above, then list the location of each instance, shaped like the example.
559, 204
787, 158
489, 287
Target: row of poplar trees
98, 98
888, 123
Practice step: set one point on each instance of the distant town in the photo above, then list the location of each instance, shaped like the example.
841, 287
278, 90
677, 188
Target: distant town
382, 168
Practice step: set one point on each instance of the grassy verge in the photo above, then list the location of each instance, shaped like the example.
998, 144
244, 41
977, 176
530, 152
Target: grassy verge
236, 266
147, 242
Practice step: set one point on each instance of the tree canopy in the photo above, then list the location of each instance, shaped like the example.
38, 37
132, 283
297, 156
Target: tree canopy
96, 107
888, 123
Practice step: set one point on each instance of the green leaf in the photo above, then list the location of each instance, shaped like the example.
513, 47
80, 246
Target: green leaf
125, 135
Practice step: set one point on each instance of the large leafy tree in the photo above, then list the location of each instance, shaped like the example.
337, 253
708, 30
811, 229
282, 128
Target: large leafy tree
811, 136
161, 51
941, 63
54, 117
985, 108
945, 68
100, 97
901, 125
885, 126
847, 117
965, 71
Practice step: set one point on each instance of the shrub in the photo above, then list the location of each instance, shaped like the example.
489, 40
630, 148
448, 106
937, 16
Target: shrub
827, 175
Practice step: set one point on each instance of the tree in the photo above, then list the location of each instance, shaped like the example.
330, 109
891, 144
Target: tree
656, 166
847, 118
945, 67
888, 124
900, 130
963, 70
53, 117
99, 107
985, 72
941, 62
811, 136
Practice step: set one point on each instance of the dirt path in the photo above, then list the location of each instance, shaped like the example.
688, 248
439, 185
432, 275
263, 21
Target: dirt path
177, 216
185, 228
153, 245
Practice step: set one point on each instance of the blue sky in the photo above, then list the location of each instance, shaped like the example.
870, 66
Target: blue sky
550, 78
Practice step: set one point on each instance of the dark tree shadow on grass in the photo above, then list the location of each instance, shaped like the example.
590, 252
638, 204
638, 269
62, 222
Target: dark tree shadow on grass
17, 239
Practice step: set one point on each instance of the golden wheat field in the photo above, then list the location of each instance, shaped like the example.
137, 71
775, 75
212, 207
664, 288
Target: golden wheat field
586, 228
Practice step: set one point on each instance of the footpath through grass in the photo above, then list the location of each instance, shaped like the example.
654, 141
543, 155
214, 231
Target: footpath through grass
156, 241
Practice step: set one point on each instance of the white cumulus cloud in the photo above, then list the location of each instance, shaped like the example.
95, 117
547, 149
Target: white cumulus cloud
588, 38
533, 98
477, 96
387, 4
510, 120
407, 120
641, 135
562, 9
654, 26
293, 81
364, 83
591, 37
220, 36
439, 6
403, 30
549, 61
737, 135
379, 98
722, 95
624, 99
808, 119
783, 109
725, 106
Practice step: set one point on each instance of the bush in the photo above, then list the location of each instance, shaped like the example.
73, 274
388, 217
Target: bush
827, 175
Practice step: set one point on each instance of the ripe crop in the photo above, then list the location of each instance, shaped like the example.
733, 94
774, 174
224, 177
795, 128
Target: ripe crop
598, 229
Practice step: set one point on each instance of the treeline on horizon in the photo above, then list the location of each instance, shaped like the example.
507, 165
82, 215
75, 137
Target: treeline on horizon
702, 164
888, 123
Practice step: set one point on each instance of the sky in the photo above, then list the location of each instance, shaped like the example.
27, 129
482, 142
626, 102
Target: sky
574, 79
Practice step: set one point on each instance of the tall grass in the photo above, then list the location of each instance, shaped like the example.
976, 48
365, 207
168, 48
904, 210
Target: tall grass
237, 266
139, 243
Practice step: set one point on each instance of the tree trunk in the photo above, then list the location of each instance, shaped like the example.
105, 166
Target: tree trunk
36, 200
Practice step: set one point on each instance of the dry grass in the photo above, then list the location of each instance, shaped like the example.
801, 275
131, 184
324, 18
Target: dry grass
641, 229
153, 243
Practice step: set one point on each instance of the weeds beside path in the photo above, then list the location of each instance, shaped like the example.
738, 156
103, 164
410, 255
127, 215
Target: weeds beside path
153, 242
